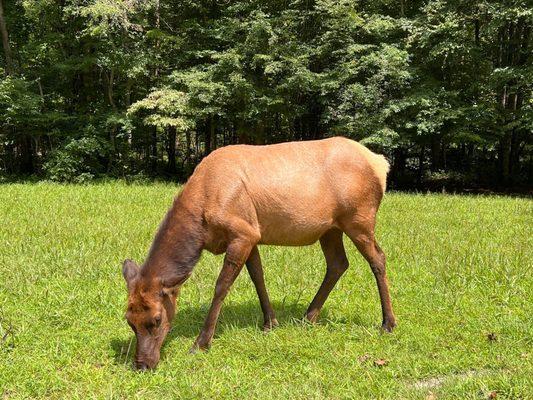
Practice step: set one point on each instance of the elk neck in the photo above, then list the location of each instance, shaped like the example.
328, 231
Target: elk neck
177, 245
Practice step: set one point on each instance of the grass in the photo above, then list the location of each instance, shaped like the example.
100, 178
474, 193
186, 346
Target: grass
461, 283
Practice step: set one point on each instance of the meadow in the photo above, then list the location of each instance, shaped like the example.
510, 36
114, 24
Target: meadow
461, 285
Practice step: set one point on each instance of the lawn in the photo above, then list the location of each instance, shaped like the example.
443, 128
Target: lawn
460, 271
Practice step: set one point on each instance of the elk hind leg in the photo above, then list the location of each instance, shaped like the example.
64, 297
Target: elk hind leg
361, 232
255, 269
336, 265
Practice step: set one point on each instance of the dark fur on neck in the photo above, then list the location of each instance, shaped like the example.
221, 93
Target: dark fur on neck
177, 246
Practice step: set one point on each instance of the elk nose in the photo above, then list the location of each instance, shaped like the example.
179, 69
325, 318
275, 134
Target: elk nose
140, 366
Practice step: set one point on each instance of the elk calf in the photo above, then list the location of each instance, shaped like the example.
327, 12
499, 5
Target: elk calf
238, 197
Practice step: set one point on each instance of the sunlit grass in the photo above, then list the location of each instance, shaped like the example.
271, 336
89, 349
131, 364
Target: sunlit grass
459, 266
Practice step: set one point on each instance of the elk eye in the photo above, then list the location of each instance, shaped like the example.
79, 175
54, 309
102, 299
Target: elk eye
157, 320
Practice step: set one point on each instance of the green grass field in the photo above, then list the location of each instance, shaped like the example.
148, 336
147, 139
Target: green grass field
461, 284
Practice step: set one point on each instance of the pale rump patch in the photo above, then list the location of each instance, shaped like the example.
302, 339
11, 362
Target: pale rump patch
378, 163
382, 168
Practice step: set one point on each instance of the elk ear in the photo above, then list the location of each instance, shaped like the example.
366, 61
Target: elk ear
129, 270
170, 284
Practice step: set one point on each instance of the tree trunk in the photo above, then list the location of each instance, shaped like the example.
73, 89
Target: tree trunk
9, 155
153, 148
127, 102
171, 150
27, 165
421, 157
259, 137
398, 166
113, 128
476, 31
443, 160
505, 151
188, 149
436, 161
210, 136
153, 136
242, 133
5, 41
514, 154
469, 157
530, 171
400, 161
110, 95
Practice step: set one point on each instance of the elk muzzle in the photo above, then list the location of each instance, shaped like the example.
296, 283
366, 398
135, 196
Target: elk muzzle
148, 351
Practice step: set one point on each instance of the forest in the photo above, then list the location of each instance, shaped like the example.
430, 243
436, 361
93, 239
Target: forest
144, 89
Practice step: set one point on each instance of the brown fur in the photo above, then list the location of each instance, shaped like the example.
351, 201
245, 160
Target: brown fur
291, 194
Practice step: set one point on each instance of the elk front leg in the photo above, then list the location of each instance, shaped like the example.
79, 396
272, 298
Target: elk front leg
236, 255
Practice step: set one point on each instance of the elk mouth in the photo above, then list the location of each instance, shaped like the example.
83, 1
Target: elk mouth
148, 355
143, 364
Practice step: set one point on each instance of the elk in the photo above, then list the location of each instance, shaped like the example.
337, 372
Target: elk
240, 196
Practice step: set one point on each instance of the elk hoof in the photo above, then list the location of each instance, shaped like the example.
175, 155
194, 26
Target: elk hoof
271, 324
312, 317
388, 326
198, 347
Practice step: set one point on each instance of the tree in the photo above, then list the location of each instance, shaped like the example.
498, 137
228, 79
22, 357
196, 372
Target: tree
5, 41
443, 88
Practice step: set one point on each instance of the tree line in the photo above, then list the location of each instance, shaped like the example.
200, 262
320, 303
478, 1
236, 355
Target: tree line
140, 88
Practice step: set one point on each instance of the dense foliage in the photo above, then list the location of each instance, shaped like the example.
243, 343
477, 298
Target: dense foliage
129, 87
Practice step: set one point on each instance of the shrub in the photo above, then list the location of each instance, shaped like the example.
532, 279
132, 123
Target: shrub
78, 161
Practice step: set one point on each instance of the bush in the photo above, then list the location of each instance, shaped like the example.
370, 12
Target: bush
76, 162
448, 180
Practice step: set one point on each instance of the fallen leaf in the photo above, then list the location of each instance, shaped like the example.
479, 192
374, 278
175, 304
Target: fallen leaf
363, 358
381, 362
492, 395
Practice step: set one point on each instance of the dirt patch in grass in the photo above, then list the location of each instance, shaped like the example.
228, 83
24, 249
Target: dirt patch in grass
437, 381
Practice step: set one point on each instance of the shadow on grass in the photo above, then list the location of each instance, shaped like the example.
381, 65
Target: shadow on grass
189, 320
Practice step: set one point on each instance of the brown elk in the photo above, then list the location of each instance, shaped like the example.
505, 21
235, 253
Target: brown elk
240, 196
